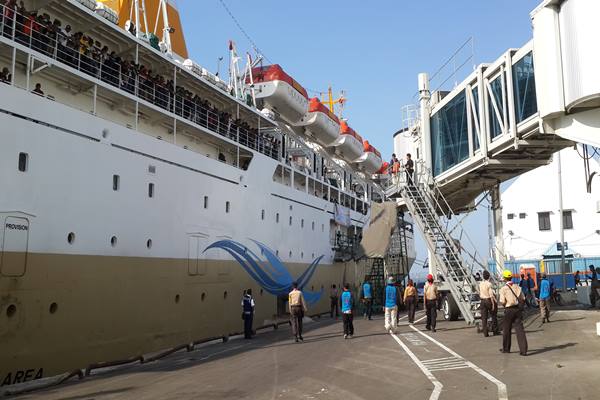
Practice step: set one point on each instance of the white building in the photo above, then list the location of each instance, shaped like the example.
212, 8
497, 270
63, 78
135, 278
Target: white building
530, 207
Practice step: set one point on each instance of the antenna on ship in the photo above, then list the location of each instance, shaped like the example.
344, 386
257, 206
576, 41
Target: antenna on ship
242, 85
167, 28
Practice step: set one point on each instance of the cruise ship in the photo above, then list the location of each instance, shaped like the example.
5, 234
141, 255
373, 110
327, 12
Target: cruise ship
142, 194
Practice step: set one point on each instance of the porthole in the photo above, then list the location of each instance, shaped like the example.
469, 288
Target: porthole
149, 243
205, 202
11, 311
225, 294
277, 217
227, 206
290, 220
151, 190
113, 241
177, 297
53, 308
202, 296
71, 238
151, 169
262, 215
116, 182
23, 162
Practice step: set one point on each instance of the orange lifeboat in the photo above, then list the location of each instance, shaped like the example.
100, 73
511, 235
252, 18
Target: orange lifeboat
321, 123
349, 145
280, 92
370, 161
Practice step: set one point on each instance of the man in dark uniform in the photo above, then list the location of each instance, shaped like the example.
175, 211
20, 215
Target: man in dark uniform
409, 167
248, 313
512, 298
594, 286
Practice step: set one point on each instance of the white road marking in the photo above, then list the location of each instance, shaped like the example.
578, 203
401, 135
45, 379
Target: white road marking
437, 385
502, 391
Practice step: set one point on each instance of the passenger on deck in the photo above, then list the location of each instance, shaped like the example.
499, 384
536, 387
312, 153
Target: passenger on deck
5, 76
512, 298
431, 298
367, 298
38, 89
409, 167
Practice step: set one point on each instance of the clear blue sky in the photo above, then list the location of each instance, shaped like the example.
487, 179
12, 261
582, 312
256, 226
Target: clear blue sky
371, 49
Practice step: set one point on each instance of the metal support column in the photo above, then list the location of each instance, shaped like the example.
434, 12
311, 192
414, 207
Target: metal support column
498, 230
424, 97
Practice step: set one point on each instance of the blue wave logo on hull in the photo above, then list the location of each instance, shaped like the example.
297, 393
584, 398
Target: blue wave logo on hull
272, 275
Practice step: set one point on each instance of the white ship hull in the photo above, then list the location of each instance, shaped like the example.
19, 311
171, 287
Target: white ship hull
117, 301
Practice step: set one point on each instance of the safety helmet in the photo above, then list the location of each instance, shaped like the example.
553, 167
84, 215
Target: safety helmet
507, 274
429, 277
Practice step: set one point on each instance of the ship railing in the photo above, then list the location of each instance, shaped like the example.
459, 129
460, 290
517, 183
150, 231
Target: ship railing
129, 78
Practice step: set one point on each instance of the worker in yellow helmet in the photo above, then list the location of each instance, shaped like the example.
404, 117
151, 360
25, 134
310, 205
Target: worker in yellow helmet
513, 300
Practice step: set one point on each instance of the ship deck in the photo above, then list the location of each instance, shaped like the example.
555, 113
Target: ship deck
453, 363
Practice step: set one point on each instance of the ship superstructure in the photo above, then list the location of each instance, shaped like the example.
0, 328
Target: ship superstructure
142, 194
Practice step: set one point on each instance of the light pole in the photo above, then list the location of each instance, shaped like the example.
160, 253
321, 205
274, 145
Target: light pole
562, 227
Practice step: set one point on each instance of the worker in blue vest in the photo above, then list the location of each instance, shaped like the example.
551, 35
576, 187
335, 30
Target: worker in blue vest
390, 306
347, 305
367, 298
248, 313
544, 300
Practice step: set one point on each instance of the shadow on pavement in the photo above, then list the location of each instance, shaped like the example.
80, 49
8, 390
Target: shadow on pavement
551, 348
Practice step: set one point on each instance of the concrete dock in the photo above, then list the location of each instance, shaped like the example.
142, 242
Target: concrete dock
453, 363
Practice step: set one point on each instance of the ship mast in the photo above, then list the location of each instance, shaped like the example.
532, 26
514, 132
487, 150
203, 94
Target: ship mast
331, 102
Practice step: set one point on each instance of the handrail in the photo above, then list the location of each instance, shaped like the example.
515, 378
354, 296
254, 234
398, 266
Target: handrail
135, 81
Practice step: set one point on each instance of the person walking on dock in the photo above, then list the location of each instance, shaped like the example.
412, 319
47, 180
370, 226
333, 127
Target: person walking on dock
367, 298
410, 300
297, 306
248, 313
594, 286
513, 300
431, 297
489, 305
390, 305
347, 306
544, 300
333, 302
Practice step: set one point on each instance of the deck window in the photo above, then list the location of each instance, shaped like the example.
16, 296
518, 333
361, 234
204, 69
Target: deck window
450, 135
567, 219
524, 87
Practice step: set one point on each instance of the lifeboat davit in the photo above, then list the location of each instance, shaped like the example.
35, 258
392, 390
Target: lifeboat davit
349, 145
280, 92
370, 161
321, 123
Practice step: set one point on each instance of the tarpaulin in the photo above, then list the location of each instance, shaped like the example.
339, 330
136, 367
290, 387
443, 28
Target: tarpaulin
376, 238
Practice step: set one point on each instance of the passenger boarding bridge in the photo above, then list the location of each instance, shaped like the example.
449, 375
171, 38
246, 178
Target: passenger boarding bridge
506, 118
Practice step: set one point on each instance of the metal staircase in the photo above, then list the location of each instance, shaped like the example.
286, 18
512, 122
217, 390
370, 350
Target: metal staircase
445, 238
